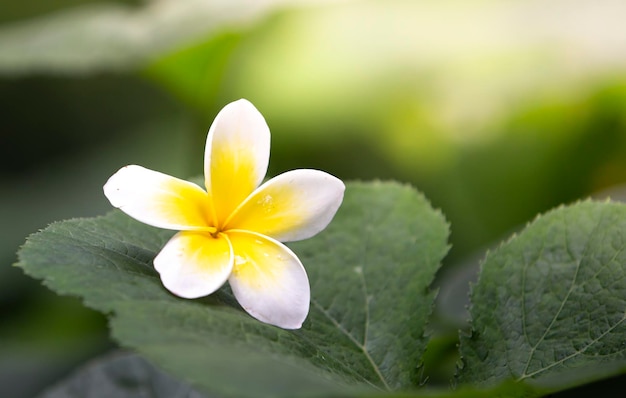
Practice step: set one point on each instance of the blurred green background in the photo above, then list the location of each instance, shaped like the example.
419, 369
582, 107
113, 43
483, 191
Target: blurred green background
496, 109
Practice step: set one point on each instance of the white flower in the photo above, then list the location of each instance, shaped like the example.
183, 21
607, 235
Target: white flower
232, 231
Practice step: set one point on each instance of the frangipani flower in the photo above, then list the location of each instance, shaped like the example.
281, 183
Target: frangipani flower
232, 231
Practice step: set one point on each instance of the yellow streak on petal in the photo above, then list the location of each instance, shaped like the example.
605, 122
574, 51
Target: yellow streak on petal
195, 264
259, 262
271, 211
233, 178
268, 280
206, 252
183, 203
236, 156
159, 200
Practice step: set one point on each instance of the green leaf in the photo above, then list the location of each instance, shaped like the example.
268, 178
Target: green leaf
369, 273
193, 73
122, 375
550, 305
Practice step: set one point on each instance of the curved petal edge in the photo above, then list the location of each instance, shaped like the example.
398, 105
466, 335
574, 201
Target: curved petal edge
291, 206
195, 264
236, 156
158, 199
269, 281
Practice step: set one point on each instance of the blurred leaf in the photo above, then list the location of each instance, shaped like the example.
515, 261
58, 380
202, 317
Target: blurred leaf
27, 366
369, 272
550, 305
100, 37
14, 11
120, 375
193, 73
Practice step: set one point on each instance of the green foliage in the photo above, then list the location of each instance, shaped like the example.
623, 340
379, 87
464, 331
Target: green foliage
387, 249
550, 305
369, 272
124, 375
193, 73
458, 119
547, 313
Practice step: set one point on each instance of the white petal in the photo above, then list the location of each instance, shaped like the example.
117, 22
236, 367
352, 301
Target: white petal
236, 156
291, 206
158, 199
269, 281
194, 264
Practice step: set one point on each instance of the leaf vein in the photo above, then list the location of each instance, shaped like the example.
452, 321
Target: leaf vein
350, 337
570, 290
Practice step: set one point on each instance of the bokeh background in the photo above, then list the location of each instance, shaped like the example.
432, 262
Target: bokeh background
496, 109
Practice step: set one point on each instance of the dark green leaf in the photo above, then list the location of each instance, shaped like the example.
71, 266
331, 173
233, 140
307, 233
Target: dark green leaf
369, 272
125, 375
550, 305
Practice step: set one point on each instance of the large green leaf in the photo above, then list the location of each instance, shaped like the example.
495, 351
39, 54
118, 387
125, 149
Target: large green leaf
126, 375
550, 305
369, 272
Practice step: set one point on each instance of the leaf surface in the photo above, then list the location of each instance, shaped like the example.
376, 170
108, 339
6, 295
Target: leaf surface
126, 375
549, 308
369, 273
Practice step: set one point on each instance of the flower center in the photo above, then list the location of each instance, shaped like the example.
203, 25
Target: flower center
214, 232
